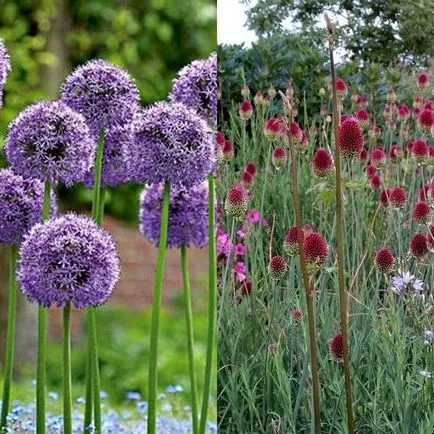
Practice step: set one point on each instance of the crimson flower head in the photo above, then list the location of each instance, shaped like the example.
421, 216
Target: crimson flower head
246, 110
422, 81
396, 153
225, 151
279, 157
418, 245
296, 133
297, 316
378, 158
375, 182
251, 168
236, 202
315, 249
350, 138
322, 162
364, 155
277, 267
363, 118
272, 129
403, 112
420, 151
370, 171
422, 213
246, 288
247, 179
397, 197
384, 260
385, 196
341, 88
290, 243
425, 120
336, 347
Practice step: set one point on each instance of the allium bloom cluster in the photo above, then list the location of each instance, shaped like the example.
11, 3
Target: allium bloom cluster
315, 248
420, 151
272, 129
336, 347
69, 258
322, 162
103, 93
422, 80
425, 120
378, 158
196, 87
188, 215
21, 202
384, 260
279, 157
171, 143
277, 267
236, 202
351, 141
397, 197
245, 110
418, 245
49, 141
396, 153
5, 68
422, 213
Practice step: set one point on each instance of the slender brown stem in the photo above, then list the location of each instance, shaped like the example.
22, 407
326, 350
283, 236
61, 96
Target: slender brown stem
308, 287
343, 299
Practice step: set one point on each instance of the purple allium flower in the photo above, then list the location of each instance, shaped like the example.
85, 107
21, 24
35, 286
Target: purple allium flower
196, 87
49, 141
116, 162
188, 215
21, 202
103, 93
171, 142
5, 68
69, 258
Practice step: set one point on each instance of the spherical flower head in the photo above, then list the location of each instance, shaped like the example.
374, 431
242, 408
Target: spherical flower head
21, 201
375, 182
295, 133
364, 155
422, 213
277, 268
236, 202
51, 142
188, 215
384, 260
5, 68
420, 151
363, 118
103, 93
336, 347
69, 258
279, 157
350, 138
422, 81
418, 245
251, 168
315, 249
425, 120
116, 166
272, 129
403, 113
322, 162
171, 143
370, 171
297, 316
290, 243
397, 197
396, 153
385, 196
247, 179
196, 87
341, 88
245, 110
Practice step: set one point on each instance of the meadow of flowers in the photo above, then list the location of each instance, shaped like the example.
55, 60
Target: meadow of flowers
325, 243
97, 134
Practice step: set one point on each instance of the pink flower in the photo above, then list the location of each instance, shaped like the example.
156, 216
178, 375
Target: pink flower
240, 271
224, 243
239, 249
241, 233
253, 216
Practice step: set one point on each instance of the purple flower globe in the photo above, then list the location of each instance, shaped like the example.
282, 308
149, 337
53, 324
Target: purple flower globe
196, 87
188, 215
69, 258
51, 142
21, 202
116, 162
5, 68
171, 143
103, 93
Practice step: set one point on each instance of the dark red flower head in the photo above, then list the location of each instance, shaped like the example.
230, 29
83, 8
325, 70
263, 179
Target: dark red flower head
422, 213
370, 171
418, 245
245, 110
322, 162
403, 112
247, 179
396, 153
341, 88
350, 138
385, 196
228, 150
297, 316
364, 155
296, 133
220, 138
363, 118
279, 157
384, 260
425, 120
398, 198
375, 182
422, 80
277, 267
272, 128
378, 158
251, 168
290, 243
246, 288
236, 202
420, 151
336, 347
315, 249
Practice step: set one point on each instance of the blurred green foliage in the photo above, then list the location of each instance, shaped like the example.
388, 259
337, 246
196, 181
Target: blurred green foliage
152, 39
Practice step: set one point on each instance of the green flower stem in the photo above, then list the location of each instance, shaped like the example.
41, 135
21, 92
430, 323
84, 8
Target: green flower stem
212, 303
42, 338
190, 337
67, 382
156, 307
92, 374
10, 338
343, 299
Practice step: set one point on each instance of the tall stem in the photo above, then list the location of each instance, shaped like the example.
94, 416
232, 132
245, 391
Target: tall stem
212, 303
92, 373
67, 382
156, 307
190, 337
308, 287
42, 337
343, 299
10, 338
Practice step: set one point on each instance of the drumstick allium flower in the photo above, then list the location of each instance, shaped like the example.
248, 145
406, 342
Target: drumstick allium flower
188, 215
51, 142
103, 93
5, 68
322, 162
418, 245
350, 139
196, 87
171, 143
69, 258
384, 260
336, 348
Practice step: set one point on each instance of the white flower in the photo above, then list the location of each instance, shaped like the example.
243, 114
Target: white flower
429, 337
424, 373
404, 282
